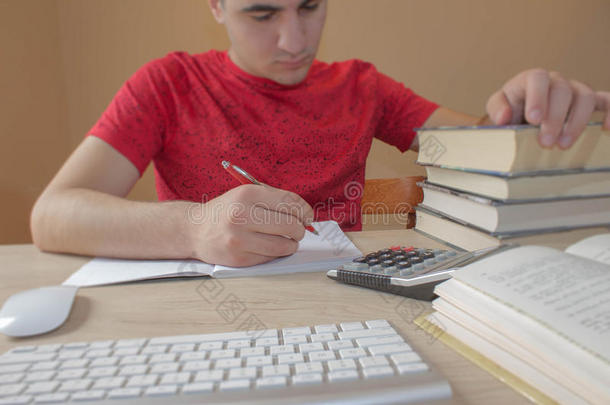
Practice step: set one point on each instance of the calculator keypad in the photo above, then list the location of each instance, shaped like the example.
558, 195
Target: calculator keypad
399, 261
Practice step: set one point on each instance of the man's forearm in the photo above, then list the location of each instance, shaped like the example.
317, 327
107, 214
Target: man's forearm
91, 223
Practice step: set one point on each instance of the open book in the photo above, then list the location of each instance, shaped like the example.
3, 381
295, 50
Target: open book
316, 253
538, 313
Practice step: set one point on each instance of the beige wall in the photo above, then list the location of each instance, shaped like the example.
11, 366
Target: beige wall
32, 110
62, 61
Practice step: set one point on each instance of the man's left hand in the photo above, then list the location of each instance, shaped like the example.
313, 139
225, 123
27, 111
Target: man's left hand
561, 107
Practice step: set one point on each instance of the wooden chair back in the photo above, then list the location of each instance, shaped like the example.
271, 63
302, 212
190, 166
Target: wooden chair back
395, 197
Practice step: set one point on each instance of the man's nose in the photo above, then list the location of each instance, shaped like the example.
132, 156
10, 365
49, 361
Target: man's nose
292, 37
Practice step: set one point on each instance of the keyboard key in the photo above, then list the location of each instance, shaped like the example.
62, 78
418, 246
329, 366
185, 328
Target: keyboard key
290, 358
343, 375
15, 368
16, 400
234, 385
355, 334
56, 398
198, 388
271, 382
182, 348
252, 351
375, 361
148, 380
295, 339
101, 344
175, 378
258, 361
271, 341
242, 373
322, 337
109, 383
210, 346
70, 354
102, 372
157, 349
104, 362
270, 371
296, 331
227, 363
336, 365
305, 379
238, 344
192, 356
95, 354
126, 351
132, 360
407, 357
196, 365
11, 389
163, 368
311, 347
71, 374
162, 358
11, 378
124, 393
281, 349
130, 343
313, 367
409, 368
139, 369
209, 375
161, 391
26, 358
42, 387
376, 341
389, 349
352, 353
346, 326
322, 356
92, 395
340, 344
222, 354
40, 376
75, 385
376, 372
330, 328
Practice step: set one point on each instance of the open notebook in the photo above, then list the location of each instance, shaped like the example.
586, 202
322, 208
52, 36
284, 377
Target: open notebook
316, 253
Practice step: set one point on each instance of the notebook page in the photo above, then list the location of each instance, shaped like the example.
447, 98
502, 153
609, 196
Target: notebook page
103, 271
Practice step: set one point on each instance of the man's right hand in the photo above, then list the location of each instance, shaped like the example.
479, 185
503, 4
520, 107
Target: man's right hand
248, 225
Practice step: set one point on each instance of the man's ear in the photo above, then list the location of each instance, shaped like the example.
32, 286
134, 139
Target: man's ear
217, 10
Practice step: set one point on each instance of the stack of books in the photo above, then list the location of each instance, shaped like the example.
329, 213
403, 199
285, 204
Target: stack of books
535, 317
489, 185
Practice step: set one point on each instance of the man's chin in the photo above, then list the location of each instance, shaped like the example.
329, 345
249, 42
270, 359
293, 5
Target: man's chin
290, 78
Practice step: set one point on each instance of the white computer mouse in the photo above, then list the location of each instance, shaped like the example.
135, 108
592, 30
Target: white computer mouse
36, 311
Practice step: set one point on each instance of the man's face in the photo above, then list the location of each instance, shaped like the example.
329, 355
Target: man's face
274, 39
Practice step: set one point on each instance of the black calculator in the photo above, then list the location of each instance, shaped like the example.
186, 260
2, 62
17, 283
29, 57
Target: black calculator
406, 270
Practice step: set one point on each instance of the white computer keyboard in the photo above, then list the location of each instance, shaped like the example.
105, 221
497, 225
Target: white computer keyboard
367, 362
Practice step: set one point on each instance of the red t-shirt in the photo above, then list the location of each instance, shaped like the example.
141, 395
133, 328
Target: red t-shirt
187, 113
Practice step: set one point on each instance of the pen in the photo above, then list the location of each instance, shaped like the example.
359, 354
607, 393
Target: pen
245, 178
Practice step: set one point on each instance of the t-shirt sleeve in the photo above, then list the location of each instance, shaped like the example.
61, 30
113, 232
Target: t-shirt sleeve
135, 122
402, 111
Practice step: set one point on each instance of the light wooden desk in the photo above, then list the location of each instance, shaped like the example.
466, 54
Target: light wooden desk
204, 305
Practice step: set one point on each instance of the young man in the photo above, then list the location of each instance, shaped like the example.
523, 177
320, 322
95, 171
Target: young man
299, 125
